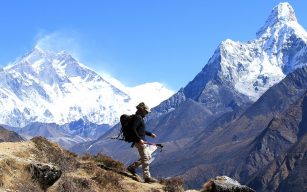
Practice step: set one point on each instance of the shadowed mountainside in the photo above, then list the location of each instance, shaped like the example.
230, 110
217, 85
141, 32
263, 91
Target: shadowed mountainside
9, 136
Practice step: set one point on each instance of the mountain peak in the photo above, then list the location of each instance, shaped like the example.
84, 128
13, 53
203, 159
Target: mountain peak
43, 53
281, 15
37, 49
38, 57
283, 12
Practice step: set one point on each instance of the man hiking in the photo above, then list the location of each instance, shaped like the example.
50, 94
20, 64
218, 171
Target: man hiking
139, 132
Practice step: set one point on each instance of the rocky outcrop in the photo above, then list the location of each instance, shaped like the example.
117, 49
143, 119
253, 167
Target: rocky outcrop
225, 184
45, 174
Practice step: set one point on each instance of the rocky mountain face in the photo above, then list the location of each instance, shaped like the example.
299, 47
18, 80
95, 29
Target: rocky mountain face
221, 121
282, 147
286, 173
248, 143
9, 136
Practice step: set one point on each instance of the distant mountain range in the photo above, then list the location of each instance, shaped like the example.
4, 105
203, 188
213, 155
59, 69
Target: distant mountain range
9, 136
243, 115
49, 87
53, 95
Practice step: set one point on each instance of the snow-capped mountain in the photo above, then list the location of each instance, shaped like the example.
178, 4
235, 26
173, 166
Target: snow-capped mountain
49, 87
252, 67
240, 72
280, 48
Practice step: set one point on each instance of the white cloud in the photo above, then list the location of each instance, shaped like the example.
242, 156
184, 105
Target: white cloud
60, 41
150, 93
113, 81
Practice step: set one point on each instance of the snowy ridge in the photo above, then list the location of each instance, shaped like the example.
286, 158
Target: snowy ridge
50, 87
240, 72
255, 66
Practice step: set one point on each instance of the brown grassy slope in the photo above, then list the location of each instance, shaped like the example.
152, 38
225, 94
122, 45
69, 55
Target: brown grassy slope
79, 174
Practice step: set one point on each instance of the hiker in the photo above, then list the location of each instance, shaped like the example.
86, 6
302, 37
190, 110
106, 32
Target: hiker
138, 127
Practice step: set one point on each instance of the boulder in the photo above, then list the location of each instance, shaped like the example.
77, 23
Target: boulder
225, 184
45, 174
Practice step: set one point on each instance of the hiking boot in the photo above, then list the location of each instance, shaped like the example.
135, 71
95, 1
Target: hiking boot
137, 178
131, 170
151, 180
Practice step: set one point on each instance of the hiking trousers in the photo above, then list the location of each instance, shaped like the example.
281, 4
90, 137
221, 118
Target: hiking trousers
145, 156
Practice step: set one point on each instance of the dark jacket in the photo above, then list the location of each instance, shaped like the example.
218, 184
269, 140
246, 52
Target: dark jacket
138, 127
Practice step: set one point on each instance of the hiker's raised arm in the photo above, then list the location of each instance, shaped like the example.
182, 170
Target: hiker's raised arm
150, 134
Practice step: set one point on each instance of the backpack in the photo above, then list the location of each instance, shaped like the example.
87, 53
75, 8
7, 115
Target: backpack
126, 130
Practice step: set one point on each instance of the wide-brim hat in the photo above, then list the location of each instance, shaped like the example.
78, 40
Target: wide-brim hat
143, 106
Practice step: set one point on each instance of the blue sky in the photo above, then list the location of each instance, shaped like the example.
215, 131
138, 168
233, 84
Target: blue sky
135, 41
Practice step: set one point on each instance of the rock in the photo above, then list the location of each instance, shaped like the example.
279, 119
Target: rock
225, 184
45, 174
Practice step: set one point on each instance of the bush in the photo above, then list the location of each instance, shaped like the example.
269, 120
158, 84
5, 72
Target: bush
105, 160
25, 183
75, 184
110, 181
87, 157
89, 167
107, 178
1, 180
174, 184
52, 153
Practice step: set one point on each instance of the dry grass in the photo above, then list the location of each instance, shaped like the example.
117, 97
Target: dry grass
173, 185
15, 176
78, 173
108, 179
52, 153
2, 180
106, 160
27, 186
74, 184
89, 176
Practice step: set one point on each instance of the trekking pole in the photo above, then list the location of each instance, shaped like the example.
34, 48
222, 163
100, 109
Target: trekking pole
145, 142
117, 138
155, 144
159, 145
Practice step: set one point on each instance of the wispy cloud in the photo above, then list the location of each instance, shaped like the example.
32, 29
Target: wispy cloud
115, 82
60, 41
